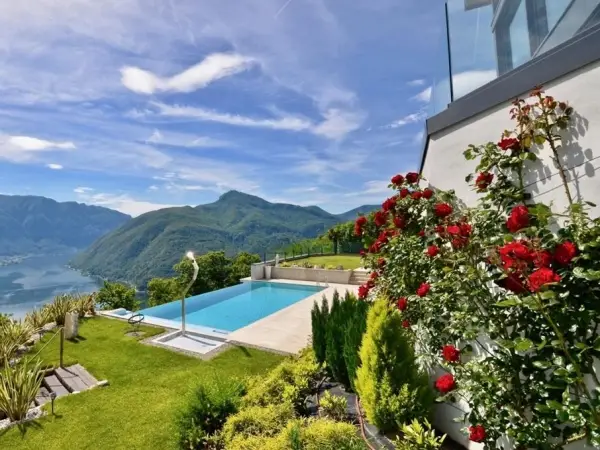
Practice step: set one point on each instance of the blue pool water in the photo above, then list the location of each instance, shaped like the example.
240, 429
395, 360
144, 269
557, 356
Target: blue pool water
234, 307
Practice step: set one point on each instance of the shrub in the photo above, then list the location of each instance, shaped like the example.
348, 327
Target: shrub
4, 318
58, 309
387, 364
18, 387
292, 381
13, 334
163, 290
206, 412
325, 434
336, 328
84, 304
319, 316
117, 295
257, 421
37, 318
356, 324
333, 407
419, 437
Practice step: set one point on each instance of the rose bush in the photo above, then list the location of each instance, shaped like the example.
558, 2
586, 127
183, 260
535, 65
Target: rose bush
504, 296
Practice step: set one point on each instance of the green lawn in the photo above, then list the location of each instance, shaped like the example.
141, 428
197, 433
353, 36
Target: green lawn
348, 261
148, 386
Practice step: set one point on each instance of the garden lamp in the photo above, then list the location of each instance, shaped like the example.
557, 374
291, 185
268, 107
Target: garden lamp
189, 255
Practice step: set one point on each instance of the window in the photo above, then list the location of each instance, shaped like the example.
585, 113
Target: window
555, 9
518, 33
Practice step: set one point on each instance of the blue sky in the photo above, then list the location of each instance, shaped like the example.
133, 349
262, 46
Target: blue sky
142, 104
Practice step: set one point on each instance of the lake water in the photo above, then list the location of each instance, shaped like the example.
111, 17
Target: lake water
35, 281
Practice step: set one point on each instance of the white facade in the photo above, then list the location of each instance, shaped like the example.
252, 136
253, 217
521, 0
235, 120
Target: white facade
446, 168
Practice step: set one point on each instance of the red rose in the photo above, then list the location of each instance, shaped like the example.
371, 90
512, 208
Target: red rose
363, 291
380, 218
381, 262
361, 221
427, 193
542, 277
443, 209
484, 179
453, 229
451, 353
375, 247
565, 252
518, 219
459, 242
399, 222
542, 258
417, 195
362, 252
412, 177
440, 229
433, 250
515, 255
423, 290
445, 383
404, 193
402, 303
374, 275
389, 204
405, 324
466, 229
397, 180
421, 233
513, 283
509, 144
477, 433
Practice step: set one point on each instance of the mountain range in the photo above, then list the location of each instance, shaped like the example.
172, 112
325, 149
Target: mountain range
149, 245
39, 225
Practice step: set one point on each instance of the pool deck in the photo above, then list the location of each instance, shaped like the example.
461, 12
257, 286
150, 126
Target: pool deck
287, 330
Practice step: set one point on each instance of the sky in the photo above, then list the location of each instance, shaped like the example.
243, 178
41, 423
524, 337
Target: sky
142, 104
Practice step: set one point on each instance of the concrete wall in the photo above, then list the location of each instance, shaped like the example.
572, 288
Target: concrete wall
445, 168
316, 275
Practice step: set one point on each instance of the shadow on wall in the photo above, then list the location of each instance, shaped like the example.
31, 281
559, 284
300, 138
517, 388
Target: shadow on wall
577, 161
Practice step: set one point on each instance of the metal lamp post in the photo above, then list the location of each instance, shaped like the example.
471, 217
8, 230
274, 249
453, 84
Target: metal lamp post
190, 255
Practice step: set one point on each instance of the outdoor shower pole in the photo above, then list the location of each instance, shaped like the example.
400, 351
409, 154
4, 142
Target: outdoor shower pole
190, 255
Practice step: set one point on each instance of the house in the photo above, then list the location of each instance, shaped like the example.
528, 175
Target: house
498, 50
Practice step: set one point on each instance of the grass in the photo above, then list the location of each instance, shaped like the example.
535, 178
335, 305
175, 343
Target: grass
347, 261
148, 387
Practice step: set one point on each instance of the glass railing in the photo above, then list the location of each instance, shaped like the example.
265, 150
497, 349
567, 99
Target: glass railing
488, 38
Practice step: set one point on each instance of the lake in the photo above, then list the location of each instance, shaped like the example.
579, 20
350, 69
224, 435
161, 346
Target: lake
36, 280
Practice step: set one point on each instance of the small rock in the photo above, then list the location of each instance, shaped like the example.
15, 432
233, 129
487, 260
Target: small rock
34, 338
49, 326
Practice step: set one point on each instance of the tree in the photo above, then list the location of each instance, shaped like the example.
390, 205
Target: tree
117, 295
214, 272
163, 290
240, 267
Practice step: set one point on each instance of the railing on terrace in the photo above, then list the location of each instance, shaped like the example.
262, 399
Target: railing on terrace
485, 39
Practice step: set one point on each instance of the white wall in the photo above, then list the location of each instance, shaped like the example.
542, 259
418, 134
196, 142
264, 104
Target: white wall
445, 168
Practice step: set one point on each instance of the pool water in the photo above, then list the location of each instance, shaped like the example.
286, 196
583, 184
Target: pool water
234, 307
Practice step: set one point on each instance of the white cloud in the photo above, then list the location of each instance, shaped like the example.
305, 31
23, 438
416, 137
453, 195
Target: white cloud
54, 166
153, 188
212, 68
424, 96
24, 148
465, 82
120, 202
82, 190
418, 138
417, 117
417, 82
336, 124
186, 140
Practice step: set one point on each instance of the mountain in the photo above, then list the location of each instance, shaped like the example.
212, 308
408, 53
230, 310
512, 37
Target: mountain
38, 225
149, 245
354, 213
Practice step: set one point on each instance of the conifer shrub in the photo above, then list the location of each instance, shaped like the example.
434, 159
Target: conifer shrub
319, 316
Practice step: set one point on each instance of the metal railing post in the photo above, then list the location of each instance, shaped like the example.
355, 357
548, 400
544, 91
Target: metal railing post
62, 346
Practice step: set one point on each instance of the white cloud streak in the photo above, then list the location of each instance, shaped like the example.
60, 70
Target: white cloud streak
417, 117
22, 149
120, 202
417, 82
54, 166
424, 96
211, 69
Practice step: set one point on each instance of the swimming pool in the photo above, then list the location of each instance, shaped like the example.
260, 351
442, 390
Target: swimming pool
234, 307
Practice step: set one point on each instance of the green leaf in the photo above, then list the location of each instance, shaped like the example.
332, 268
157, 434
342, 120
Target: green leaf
593, 205
547, 295
523, 344
539, 139
542, 364
559, 361
554, 405
542, 408
513, 301
563, 416
531, 156
469, 177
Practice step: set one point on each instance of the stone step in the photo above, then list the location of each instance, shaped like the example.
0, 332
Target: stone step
53, 384
42, 397
70, 380
83, 375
